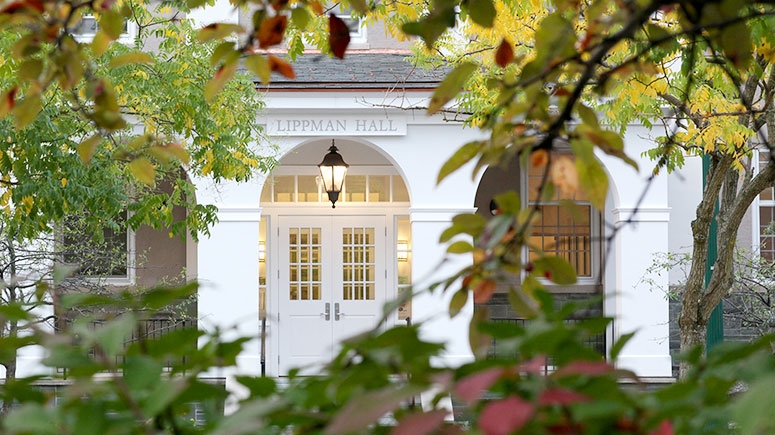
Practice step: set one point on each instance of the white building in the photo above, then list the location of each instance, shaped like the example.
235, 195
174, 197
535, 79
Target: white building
322, 273
281, 245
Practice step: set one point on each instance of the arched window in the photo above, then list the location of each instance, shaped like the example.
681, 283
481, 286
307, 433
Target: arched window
567, 226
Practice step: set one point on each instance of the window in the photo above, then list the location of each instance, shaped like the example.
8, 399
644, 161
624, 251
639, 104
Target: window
305, 188
766, 216
567, 226
357, 29
560, 230
86, 29
104, 255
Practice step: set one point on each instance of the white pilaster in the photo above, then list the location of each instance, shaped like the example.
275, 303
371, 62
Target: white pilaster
430, 264
639, 307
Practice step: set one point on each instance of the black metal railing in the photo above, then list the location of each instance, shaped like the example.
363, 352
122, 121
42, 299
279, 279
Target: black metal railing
147, 330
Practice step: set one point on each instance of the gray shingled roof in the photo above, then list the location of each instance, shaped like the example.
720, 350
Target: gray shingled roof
357, 71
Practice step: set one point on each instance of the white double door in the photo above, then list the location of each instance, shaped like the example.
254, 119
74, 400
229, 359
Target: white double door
332, 283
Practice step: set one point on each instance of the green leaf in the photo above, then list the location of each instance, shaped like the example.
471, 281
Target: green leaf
223, 51
359, 6
508, 203
521, 299
143, 169
753, 410
466, 223
141, 373
588, 116
87, 148
593, 181
159, 298
26, 110
301, 17
482, 12
458, 302
460, 247
14, 312
112, 23
30, 69
451, 86
222, 76
619, 345
218, 31
462, 156
32, 418
133, 57
556, 270
114, 333
258, 65
433, 25
259, 387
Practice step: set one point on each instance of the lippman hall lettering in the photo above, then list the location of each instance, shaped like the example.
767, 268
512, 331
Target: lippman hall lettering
342, 126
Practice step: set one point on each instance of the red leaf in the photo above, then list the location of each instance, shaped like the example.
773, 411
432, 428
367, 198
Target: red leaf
664, 428
21, 6
272, 31
470, 388
280, 66
338, 36
594, 368
503, 417
420, 423
561, 397
504, 54
11, 97
484, 291
535, 365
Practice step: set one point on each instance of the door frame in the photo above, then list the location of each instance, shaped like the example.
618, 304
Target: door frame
275, 212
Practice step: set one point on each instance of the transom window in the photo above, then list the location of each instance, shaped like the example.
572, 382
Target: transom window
307, 188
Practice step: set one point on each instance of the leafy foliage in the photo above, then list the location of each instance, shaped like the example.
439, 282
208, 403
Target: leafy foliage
532, 75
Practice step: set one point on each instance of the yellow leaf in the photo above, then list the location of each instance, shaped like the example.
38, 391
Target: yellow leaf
130, 58
224, 74
258, 65
86, 148
26, 110
143, 169
64, 182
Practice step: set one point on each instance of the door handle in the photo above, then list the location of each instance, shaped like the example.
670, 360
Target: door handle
327, 313
337, 314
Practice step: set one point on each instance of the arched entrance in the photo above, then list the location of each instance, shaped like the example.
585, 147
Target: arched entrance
326, 273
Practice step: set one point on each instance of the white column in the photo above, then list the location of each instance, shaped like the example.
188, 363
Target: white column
228, 279
640, 308
429, 265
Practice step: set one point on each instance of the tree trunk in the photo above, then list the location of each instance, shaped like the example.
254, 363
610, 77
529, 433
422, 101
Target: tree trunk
10, 374
691, 337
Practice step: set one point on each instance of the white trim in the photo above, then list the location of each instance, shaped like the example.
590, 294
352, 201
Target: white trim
239, 214
642, 214
436, 214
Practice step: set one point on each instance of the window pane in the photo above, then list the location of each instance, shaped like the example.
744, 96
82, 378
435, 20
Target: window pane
355, 188
766, 194
308, 188
102, 254
379, 188
284, 188
400, 193
565, 234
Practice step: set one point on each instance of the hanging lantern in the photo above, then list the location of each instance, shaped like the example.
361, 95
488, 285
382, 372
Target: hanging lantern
332, 171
